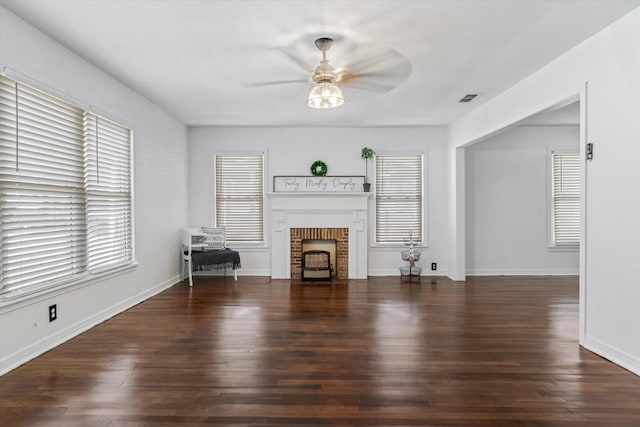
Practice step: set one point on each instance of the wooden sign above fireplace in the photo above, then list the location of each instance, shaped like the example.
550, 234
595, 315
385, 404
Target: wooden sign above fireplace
308, 184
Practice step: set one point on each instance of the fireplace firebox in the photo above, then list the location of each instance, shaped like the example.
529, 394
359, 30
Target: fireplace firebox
335, 241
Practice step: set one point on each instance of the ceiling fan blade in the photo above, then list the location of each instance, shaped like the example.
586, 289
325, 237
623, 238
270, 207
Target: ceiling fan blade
380, 81
388, 56
380, 69
304, 65
275, 83
369, 86
346, 76
380, 72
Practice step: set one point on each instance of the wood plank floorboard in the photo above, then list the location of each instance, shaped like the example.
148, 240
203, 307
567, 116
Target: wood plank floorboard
492, 351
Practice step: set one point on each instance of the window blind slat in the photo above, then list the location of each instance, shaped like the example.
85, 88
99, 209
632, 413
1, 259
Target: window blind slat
398, 198
41, 192
239, 196
107, 178
565, 198
54, 222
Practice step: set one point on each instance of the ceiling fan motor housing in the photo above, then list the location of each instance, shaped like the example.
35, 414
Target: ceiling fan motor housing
324, 73
324, 43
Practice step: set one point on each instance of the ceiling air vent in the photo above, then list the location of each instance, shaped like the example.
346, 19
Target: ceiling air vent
468, 97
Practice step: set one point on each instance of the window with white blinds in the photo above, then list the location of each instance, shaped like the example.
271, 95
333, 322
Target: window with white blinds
65, 190
399, 201
107, 193
565, 187
239, 196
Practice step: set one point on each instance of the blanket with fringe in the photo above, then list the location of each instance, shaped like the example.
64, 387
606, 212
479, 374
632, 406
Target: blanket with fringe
215, 260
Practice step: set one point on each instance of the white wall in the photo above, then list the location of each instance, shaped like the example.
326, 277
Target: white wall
292, 150
507, 202
161, 199
605, 71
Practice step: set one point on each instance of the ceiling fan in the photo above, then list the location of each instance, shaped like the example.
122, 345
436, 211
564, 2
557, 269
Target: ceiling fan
378, 72
325, 93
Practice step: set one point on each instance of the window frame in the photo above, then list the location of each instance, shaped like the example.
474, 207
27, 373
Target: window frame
552, 246
423, 243
257, 244
24, 294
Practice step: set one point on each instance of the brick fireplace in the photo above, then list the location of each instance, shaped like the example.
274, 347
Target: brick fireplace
340, 235
342, 216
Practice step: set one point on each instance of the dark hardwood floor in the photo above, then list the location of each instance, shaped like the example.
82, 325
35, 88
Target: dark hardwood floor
491, 351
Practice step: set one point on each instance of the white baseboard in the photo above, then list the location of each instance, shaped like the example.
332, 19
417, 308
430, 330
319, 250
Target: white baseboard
253, 272
34, 350
523, 272
613, 354
396, 272
229, 272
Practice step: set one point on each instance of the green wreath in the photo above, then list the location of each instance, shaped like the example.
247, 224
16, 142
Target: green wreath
318, 168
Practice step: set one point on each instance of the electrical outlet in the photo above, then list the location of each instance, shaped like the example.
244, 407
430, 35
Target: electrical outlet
53, 312
434, 266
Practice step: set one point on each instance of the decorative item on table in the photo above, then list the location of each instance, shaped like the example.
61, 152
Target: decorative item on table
319, 168
366, 154
411, 256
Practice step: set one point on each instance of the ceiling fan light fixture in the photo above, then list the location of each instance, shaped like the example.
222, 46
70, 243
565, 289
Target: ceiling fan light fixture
325, 95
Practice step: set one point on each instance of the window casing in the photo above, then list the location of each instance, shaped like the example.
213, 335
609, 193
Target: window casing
239, 196
565, 199
65, 190
399, 198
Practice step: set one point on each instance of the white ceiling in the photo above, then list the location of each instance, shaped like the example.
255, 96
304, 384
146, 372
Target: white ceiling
198, 59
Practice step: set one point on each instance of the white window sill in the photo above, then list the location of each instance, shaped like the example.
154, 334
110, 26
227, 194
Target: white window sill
247, 247
397, 246
564, 248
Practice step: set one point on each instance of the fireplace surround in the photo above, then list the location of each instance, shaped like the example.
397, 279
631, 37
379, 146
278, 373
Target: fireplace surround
347, 211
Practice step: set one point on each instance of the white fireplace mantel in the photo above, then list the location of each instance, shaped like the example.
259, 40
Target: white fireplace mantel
319, 210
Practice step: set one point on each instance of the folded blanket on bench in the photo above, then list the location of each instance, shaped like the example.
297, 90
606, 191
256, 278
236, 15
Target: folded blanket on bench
215, 260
